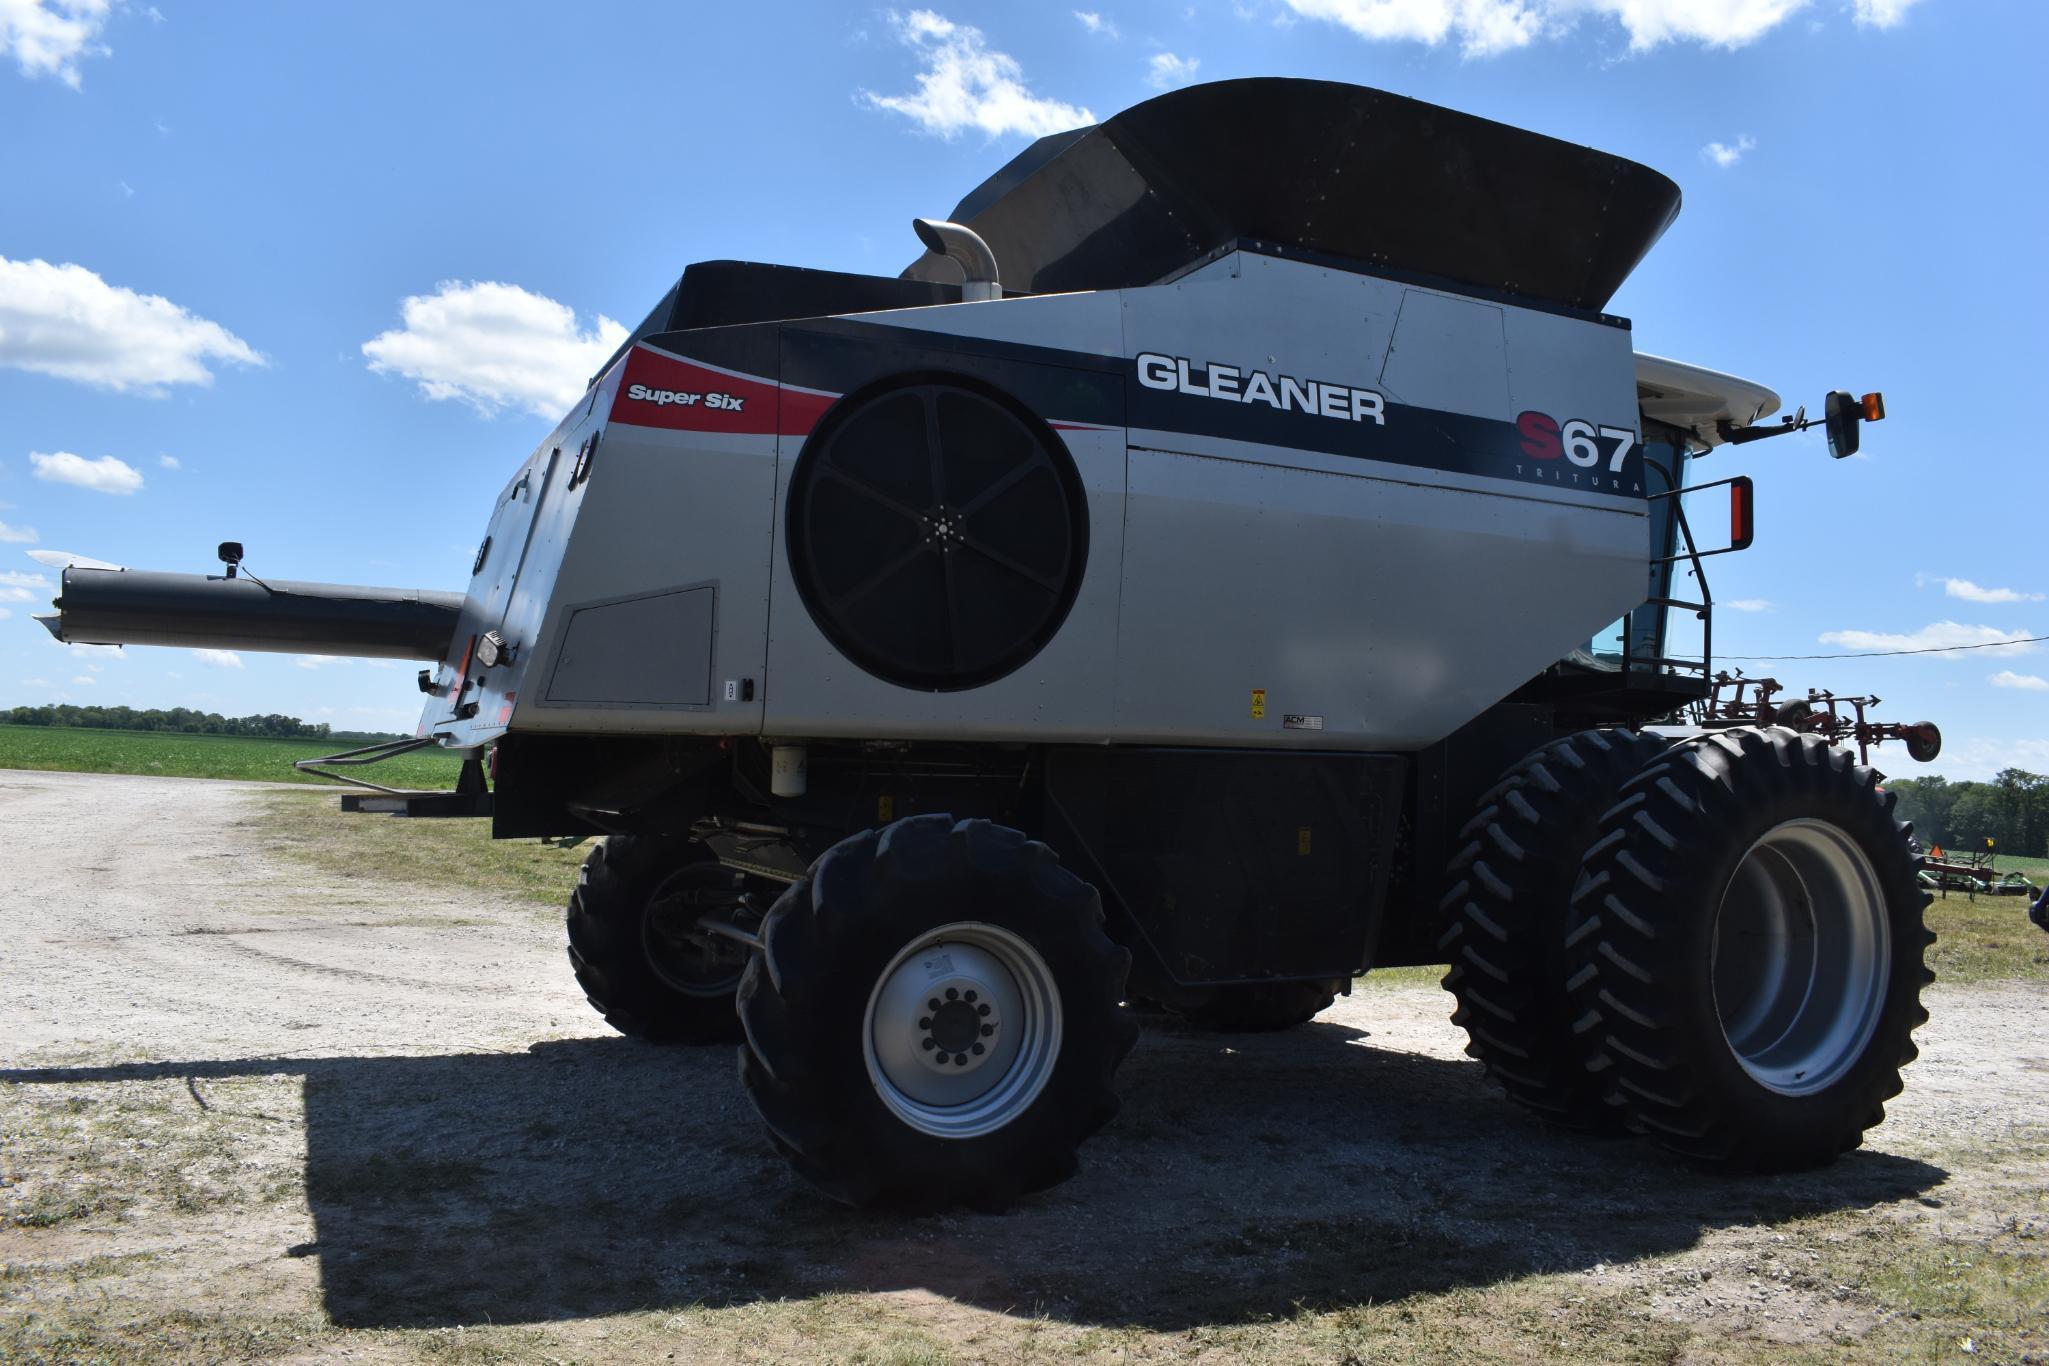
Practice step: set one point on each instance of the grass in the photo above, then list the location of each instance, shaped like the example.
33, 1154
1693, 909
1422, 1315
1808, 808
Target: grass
1987, 940
435, 853
1982, 941
167, 754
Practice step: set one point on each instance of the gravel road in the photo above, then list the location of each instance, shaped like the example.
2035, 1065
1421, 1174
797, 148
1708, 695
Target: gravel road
357, 1115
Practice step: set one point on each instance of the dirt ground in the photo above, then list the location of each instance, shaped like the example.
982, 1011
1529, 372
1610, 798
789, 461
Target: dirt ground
244, 1114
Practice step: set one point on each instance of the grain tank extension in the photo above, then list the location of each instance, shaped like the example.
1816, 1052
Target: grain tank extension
1239, 551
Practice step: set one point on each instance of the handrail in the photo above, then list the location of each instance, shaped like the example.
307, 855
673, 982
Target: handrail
366, 754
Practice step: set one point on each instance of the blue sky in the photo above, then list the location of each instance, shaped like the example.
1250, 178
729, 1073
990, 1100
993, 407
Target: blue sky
317, 277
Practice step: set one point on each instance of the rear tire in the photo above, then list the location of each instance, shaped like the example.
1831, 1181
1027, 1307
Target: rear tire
1508, 904
1748, 949
879, 1096
1264, 1007
630, 947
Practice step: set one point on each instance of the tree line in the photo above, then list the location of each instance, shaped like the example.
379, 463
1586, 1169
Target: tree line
2013, 809
183, 721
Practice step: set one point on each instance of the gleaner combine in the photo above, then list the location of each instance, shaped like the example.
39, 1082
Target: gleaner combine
1190, 582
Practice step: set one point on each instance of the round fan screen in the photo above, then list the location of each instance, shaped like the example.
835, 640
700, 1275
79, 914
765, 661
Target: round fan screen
937, 533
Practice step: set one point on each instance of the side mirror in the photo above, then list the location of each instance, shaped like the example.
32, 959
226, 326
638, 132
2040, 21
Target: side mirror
1842, 418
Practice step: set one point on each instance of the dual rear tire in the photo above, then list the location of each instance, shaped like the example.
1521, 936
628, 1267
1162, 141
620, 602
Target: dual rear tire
1717, 942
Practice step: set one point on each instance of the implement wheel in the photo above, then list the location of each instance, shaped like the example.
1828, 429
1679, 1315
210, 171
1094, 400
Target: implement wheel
635, 946
1507, 906
1748, 949
934, 1019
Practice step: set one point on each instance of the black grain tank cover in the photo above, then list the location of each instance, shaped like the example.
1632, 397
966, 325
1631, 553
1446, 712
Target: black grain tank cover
727, 293
1321, 167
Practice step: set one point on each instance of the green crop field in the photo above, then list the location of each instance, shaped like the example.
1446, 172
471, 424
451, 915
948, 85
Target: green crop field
169, 754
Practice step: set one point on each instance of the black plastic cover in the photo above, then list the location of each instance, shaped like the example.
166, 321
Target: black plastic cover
1221, 866
731, 293
1321, 167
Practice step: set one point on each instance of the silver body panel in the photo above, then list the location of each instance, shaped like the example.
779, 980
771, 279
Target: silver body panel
1369, 603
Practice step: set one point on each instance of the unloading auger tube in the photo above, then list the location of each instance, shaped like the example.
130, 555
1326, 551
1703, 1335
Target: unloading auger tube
132, 607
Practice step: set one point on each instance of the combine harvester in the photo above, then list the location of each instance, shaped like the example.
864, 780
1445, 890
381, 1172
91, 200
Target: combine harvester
1185, 583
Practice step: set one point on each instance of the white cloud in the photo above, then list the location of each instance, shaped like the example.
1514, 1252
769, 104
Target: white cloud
170, 462
318, 661
85, 680
47, 37
1096, 23
1882, 13
1934, 636
1727, 154
104, 475
1746, 604
494, 346
1482, 27
68, 322
37, 683
966, 84
1971, 592
1485, 27
222, 659
1978, 758
17, 535
2007, 678
1170, 72
20, 587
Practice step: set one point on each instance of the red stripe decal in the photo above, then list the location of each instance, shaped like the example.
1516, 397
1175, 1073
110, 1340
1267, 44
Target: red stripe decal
662, 391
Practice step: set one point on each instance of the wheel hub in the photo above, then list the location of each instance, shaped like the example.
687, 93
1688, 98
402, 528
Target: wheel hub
959, 1028
963, 1029
683, 954
1802, 955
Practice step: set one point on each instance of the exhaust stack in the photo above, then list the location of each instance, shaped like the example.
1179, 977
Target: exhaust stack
980, 280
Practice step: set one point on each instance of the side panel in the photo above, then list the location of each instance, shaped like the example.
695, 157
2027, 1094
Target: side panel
1377, 578
656, 621
1308, 607
510, 588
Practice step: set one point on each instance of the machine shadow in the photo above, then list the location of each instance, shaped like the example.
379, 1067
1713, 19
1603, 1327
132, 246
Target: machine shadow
1246, 1177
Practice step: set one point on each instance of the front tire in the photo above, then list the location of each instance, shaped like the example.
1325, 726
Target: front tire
1748, 949
935, 1017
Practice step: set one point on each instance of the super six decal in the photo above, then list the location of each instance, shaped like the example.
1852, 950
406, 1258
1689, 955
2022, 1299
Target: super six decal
731, 403
662, 390
1577, 453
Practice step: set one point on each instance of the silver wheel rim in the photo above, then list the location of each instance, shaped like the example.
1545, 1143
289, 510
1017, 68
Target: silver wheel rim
962, 1030
1801, 957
